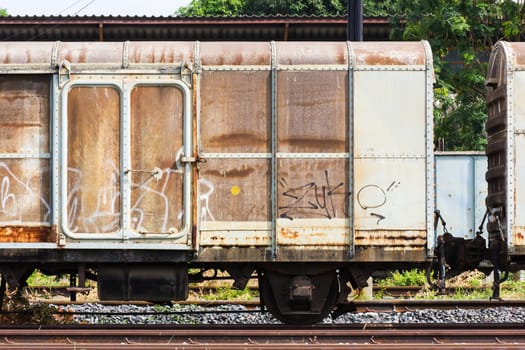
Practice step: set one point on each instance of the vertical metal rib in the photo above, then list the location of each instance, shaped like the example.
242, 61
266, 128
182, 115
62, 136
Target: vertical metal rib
351, 245
274, 150
430, 175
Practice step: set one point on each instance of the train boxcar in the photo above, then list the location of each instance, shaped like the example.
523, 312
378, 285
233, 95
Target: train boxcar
506, 156
309, 164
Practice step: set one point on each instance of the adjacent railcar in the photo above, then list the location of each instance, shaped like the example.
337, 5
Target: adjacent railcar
309, 164
505, 152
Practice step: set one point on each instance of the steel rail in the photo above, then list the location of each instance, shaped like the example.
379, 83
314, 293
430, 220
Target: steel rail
471, 336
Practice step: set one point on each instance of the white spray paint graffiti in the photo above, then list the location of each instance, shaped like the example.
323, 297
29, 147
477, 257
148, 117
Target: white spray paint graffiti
23, 208
105, 217
147, 188
204, 200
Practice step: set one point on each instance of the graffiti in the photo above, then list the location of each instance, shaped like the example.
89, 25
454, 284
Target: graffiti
373, 196
329, 201
157, 191
204, 199
18, 201
150, 206
94, 211
315, 199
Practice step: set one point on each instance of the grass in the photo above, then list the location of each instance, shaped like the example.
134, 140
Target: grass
468, 285
37, 278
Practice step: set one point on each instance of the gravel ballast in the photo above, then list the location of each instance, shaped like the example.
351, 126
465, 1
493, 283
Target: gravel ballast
189, 314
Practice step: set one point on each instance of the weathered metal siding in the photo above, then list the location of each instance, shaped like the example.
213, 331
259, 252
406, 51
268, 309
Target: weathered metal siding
234, 207
243, 151
302, 143
25, 210
390, 159
93, 160
156, 140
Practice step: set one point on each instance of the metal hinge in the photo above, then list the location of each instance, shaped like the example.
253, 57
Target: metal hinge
185, 159
64, 73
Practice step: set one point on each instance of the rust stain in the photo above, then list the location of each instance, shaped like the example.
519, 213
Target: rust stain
313, 143
24, 234
375, 54
244, 171
393, 238
289, 234
519, 238
239, 139
236, 54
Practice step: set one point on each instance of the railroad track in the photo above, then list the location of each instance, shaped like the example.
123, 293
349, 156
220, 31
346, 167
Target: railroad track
472, 336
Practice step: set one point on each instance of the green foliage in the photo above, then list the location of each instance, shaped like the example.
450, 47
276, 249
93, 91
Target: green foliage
211, 8
3, 12
413, 277
461, 34
38, 279
263, 8
295, 7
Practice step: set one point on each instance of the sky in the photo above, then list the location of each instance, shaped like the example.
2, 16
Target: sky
92, 7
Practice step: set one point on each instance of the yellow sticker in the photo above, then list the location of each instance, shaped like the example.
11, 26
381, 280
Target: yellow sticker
235, 190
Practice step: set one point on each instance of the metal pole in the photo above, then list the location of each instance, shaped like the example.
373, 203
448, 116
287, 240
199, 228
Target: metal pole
355, 20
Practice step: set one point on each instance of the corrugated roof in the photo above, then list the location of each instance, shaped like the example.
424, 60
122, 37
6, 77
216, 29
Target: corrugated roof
119, 28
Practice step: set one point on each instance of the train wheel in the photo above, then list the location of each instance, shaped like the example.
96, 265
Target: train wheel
299, 299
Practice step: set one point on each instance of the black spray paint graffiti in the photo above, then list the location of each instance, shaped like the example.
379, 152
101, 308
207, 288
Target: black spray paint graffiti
314, 199
325, 199
373, 196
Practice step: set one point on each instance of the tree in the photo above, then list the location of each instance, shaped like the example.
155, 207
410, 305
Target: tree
461, 34
263, 8
211, 8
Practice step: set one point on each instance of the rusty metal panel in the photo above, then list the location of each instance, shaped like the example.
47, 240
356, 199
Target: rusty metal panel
391, 239
24, 114
235, 111
312, 232
389, 53
25, 210
312, 53
235, 234
91, 52
312, 188
27, 52
234, 190
312, 111
93, 177
312, 202
229, 53
160, 52
156, 178
518, 53
24, 192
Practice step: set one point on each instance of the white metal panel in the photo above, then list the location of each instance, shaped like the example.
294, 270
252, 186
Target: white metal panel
390, 121
518, 162
390, 184
389, 194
